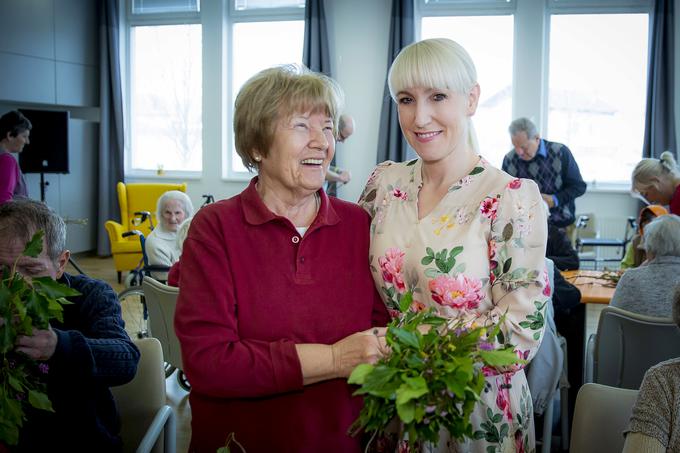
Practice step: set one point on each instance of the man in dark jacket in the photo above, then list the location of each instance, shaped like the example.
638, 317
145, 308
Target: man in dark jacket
550, 164
85, 354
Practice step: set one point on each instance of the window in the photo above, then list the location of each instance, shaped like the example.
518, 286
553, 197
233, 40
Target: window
262, 37
166, 106
489, 40
597, 91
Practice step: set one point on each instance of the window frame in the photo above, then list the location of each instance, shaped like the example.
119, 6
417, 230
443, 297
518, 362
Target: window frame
520, 9
132, 20
235, 16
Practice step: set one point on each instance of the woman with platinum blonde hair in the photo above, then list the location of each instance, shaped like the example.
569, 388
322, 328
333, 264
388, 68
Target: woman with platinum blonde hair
172, 208
658, 181
490, 228
648, 289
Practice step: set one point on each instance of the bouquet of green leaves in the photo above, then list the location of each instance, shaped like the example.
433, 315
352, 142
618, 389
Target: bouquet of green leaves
429, 380
25, 305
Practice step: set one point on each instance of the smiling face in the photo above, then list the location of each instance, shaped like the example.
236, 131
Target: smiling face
173, 214
525, 147
16, 144
302, 149
435, 121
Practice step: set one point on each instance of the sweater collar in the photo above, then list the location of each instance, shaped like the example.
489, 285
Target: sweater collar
257, 213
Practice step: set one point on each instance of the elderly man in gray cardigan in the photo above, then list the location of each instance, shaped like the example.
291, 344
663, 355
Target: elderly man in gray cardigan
648, 289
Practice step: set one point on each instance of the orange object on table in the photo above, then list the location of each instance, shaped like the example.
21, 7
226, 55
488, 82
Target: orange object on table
594, 288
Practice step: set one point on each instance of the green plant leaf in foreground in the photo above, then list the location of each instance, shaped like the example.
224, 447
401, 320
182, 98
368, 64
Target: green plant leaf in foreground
35, 245
39, 400
500, 357
359, 374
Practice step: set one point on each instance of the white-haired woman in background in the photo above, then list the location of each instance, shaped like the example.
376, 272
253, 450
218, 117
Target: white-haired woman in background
451, 200
172, 209
648, 289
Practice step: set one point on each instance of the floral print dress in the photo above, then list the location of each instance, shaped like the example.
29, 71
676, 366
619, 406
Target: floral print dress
478, 255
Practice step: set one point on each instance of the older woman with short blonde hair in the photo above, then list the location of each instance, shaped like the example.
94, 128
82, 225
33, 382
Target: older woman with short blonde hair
658, 181
277, 299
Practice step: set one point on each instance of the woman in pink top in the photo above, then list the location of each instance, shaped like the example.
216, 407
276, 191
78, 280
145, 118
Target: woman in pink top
15, 129
277, 303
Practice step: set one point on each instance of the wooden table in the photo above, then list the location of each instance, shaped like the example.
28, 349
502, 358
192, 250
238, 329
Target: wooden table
593, 289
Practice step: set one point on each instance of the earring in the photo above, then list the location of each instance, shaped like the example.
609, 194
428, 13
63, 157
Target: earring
257, 158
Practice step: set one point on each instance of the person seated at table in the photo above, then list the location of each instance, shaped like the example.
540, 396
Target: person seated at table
278, 305
635, 253
560, 250
172, 208
648, 289
655, 421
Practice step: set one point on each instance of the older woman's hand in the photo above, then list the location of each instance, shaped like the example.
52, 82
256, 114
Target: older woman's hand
362, 347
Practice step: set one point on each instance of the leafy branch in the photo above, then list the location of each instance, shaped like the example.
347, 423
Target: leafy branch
25, 304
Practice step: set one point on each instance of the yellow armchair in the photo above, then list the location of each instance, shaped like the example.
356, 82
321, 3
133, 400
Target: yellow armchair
135, 197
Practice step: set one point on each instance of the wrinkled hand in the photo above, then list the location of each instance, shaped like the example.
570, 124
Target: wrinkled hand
39, 346
362, 347
548, 199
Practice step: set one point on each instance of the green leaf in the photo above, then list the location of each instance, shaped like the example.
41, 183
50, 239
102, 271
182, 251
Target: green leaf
39, 400
507, 231
359, 374
455, 251
507, 265
500, 357
405, 302
406, 411
405, 337
52, 288
476, 171
406, 392
411, 162
14, 382
9, 433
427, 260
35, 245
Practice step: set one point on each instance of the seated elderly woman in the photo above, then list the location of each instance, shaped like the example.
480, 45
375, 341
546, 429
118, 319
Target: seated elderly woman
277, 299
172, 208
648, 289
655, 422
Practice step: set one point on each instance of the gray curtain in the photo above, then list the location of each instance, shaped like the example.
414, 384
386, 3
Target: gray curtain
110, 162
660, 117
391, 144
315, 54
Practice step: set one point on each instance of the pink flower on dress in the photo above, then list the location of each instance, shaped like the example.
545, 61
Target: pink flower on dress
546, 284
459, 292
515, 184
400, 194
519, 442
489, 207
391, 266
503, 396
393, 313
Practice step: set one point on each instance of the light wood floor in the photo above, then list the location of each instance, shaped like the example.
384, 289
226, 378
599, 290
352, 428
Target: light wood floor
177, 398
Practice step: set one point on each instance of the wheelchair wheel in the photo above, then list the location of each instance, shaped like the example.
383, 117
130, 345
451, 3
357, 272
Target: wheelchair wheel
183, 381
169, 369
135, 316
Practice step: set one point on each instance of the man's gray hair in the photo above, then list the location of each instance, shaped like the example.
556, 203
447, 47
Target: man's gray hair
20, 219
662, 236
523, 125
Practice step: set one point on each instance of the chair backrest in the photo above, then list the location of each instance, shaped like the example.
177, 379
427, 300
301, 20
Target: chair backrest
139, 400
600, 417
160, 302
137, 197
628, 344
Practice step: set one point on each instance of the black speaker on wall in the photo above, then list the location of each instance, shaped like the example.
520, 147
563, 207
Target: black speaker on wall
47, 151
